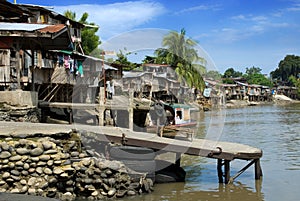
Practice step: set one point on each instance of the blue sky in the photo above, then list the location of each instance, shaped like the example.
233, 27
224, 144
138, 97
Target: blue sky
231, 33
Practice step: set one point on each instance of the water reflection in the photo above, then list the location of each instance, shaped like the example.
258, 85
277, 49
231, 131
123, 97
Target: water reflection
179, 192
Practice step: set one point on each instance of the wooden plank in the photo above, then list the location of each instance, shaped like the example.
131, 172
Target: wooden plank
88, 106
197, 147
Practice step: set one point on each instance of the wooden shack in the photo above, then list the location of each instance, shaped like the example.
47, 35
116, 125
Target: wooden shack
26, 41
159, 79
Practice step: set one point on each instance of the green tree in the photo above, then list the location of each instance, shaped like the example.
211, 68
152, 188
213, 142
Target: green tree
180, 54
231, 73
258, 78
253, 75
149, 60
123, 61
296, 83
290, 65
253, 70
90, 41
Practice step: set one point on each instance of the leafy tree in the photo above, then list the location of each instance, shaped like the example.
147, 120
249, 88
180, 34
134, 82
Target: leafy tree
258, 78
296, 82
162, 56
180, 54
231, 73
290, 65
149, 60
253, 70
123, 60
90, 41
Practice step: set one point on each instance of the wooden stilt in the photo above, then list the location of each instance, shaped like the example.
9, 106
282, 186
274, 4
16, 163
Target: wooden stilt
258, 171
227, 171
32, 71
101, 108
18, 66
178, 159
220, 171
130, 110
70, 116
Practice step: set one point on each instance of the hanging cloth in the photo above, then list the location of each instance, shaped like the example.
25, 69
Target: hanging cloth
66, 61
71, 64
80, 68
60, 60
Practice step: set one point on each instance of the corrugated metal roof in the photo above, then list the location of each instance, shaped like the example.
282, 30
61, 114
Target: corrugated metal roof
52, 28
4, 26
107, 67
43, 28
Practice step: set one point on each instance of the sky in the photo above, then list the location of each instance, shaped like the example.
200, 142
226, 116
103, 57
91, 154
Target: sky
235, 34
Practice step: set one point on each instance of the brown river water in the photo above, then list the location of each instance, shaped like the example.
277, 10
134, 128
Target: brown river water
273, 128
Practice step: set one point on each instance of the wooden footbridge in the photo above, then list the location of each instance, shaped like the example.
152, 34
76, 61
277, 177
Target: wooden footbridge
224, 152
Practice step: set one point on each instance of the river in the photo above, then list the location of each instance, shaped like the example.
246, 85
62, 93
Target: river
273, 128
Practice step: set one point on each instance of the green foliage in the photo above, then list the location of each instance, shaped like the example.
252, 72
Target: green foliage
71, 15
179, 53
253, 76
258, 78
231, 73
228, 81
290, 65
149, 60
253, 70
163, 56
123, 60
90, 41
295, 82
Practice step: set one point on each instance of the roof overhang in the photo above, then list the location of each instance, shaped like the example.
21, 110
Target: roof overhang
34, 36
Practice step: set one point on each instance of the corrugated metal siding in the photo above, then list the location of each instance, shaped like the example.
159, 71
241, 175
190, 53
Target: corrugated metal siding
21, 26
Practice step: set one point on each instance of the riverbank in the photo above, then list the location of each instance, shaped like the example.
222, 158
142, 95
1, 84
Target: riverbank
277, 99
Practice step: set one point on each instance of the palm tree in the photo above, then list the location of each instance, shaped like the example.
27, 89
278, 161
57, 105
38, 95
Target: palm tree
179, 52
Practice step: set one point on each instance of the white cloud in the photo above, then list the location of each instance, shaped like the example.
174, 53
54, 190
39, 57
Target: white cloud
199, 8
295, 7
117, 17
239, 17
249, 25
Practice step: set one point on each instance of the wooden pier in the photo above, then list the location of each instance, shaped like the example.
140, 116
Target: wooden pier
224, 152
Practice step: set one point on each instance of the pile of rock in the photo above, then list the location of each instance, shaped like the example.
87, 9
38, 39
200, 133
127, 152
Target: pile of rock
19, 113
59, 167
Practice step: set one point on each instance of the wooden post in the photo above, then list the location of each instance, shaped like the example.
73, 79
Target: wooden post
220, 172
178, 159
18, 66
130, 110
70, 111
258, 171
227, 171
32, 71
101, 106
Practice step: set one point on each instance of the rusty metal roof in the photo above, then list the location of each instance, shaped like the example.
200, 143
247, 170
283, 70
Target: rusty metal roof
52, 28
